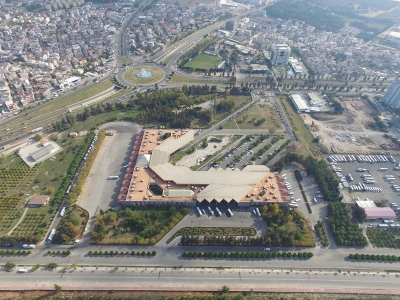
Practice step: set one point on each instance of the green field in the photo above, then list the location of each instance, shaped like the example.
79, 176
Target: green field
157, 75
257, 117
203, 61
307, 147
239, 102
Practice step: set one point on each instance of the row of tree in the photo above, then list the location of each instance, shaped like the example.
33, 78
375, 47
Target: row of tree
374, 257
251, 255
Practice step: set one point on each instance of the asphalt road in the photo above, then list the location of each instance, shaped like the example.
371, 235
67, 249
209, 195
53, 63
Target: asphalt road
201, 279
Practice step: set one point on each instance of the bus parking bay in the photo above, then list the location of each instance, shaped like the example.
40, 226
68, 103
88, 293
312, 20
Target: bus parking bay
376, 173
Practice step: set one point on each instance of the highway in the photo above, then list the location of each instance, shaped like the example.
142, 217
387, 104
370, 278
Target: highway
243, 279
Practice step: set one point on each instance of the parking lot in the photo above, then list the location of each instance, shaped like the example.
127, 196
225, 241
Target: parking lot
98, 192
248, 153
375, 177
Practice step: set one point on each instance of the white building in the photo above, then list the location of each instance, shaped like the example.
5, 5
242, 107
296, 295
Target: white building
299, 103
280, 54
67, 83
394, 37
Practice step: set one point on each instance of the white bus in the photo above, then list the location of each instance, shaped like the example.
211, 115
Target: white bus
113, 177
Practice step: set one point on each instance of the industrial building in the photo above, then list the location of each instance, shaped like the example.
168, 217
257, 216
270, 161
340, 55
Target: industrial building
392, 95
280, 54
374, 213
150, 178
299, 103
35, 153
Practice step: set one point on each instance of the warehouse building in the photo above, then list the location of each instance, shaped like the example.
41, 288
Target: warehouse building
299, 103
374, 213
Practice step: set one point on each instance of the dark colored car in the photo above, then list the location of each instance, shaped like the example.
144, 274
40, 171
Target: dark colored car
6, 245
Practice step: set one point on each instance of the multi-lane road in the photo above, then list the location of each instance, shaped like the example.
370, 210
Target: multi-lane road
186, 279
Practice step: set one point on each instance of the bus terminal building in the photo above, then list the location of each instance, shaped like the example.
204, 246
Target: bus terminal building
150, 178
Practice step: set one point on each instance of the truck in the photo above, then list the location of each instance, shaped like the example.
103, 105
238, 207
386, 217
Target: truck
383, 225
382, 169
62, 212
293, 205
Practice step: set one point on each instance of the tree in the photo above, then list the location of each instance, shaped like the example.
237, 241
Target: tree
9, 265
359, 214
52, 265
38, 137
225, 289
57, 288
204, 144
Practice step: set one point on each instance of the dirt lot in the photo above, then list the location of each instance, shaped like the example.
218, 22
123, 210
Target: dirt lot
201, 153
346, 132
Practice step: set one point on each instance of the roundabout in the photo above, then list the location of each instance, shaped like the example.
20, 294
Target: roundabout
144, 75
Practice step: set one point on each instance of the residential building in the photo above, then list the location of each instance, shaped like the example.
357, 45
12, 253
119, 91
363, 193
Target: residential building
280, 54
38, 200
231, 25
392, 96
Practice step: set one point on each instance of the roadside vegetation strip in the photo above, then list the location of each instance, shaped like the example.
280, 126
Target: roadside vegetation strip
62, 103
60, 253
388, 237
122, 253
249, 255
301, 131
135, 226
374, 257
178, 79
73, 223
15, 252
322, 233
216, 231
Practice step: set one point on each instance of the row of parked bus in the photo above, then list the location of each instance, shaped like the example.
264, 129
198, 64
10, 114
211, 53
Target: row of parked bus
360, 158
361, 187
217, 212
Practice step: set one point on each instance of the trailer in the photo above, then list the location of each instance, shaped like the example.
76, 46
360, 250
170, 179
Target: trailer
218, 211
199, 211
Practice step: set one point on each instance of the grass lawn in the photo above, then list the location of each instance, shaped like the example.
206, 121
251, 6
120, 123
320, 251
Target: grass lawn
304, 136
181, 79
157, 75
68, 100
239, 102
93, 121
203, 61
257, 117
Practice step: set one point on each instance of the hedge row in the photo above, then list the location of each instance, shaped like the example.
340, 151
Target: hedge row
59, 252
114, 253
15, 252
248, 254
374, 257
